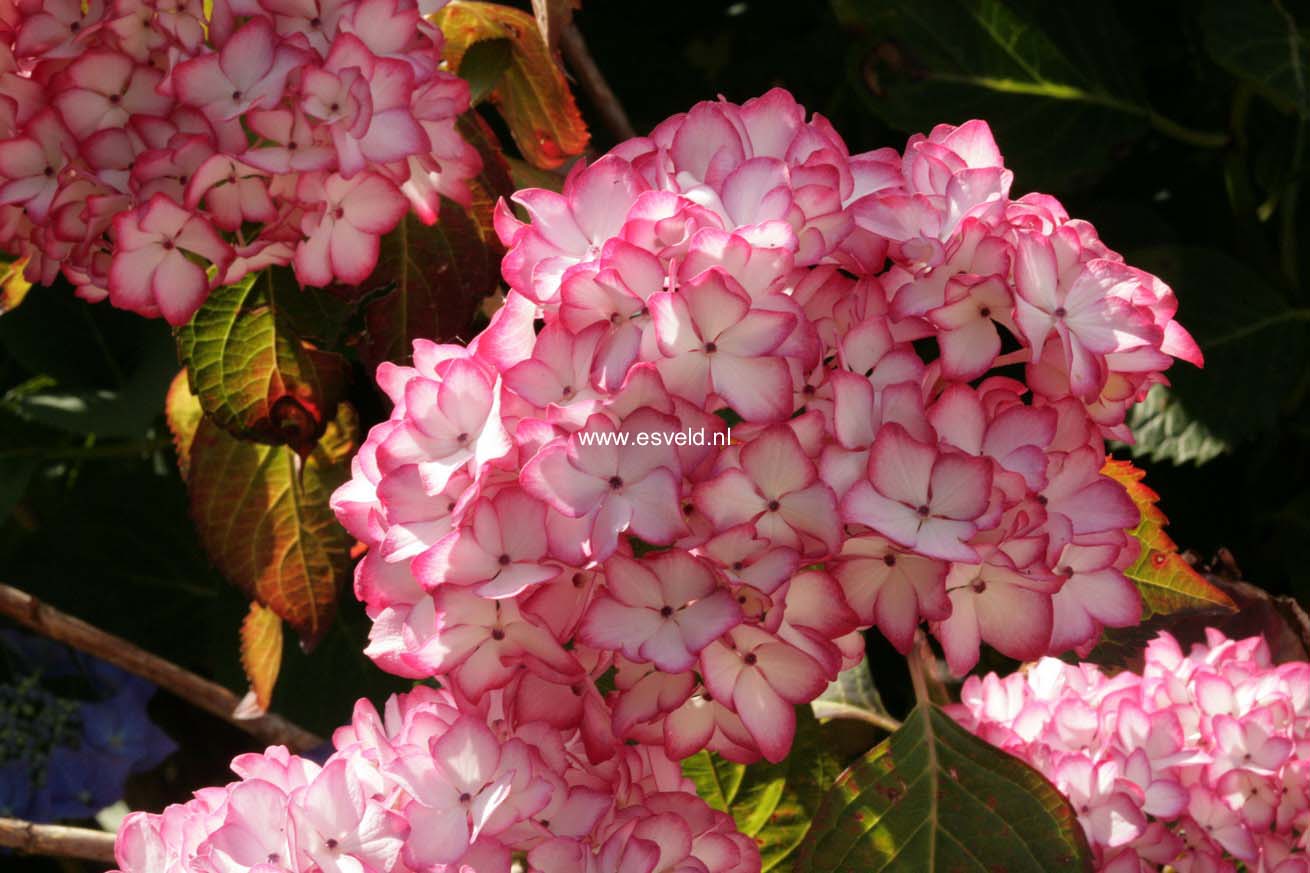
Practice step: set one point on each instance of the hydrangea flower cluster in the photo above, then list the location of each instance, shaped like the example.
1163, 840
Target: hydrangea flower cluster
150, 151
72, 729
918, 373
435, 785
1201, 762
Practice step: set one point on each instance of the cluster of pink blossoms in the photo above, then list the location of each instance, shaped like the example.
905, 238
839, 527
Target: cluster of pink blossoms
1201, 763
547, 516
438, 786
150, 152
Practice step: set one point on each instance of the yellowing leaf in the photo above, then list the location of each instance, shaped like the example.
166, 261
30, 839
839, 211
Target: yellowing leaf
13, 287
1166, 581
252, 368
263, 517
183, 413
261, 651
532, 94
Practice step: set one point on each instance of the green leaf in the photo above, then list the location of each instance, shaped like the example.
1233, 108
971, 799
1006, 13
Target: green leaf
484, 65
252, 368
1164, 432
773, 803
1260, 42
435, 276
1067, 71
263, 517
852, 695
1254, 345
933, 797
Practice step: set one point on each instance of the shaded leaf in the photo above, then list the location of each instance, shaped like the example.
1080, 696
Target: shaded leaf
261, 652
492, 182
532, 95
1166, 581
1065, 70
1260, 42
1254, 345
933, 797
851, 695
255, 373
773, 803
13, 287
437, 275
263, 517
127, 411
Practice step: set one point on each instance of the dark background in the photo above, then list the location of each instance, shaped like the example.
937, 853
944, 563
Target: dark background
1177, 128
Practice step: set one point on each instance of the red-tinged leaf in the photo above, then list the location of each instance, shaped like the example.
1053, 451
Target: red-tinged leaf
252, 366
532, 94
261, 652
438, 276
13, 287
552, 17
263, 517
1166, 581
491, 184
183, 413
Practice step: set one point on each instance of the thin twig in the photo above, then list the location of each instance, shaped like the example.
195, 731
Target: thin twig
57, 840
213, 698
593, 83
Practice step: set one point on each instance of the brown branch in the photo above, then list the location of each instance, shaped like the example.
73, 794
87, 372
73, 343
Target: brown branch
593, 83
57, 840
272, 730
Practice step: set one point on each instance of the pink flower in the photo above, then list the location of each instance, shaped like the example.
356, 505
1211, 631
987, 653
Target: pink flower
715, 342
664, 609
777, 490
151, 273
604, 475
763, 678
920, 498
250, 72
342, 237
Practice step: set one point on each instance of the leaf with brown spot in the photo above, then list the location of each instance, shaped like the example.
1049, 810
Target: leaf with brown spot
261, 652
1166, 581
532, 94
263, 517
252, 367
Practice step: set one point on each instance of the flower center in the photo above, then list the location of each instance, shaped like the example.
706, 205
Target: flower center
711, 348
503, 560
889, 560
750, 659
498, 635
1060, 312
774, 505
923, 510
666, 611
615, 483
